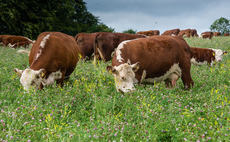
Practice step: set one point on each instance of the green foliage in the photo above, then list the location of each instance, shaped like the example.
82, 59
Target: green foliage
130, 31
30, 18
88, 107
221, 25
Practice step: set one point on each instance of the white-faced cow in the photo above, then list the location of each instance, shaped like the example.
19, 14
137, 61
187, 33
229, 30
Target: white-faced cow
105, 43
53, 57
200, 56
150, 60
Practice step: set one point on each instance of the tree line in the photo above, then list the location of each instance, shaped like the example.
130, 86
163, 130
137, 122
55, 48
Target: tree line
31, 17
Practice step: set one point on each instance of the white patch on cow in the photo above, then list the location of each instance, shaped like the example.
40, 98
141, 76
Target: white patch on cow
143, 76
118, 51
43, 42
175, 69
218, 54
42, 45
173, 35
31, 78
52, 78
194, 61
102, 57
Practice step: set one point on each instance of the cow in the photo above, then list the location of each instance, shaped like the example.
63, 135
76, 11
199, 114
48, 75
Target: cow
200, 56
207, 35
173, 32
149, 33
185, 33
85, 41
226, 34
150, 60
216, 34
105, 43
194, 33
53, 57
14, 41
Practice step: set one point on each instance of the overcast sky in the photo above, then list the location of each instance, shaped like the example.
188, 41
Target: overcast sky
142, 15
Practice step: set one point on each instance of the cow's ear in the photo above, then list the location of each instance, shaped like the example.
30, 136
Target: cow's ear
111, 69
19, 72
225, 53
41, 73
135, 66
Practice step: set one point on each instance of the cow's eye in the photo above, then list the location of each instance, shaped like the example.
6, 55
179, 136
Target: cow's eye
123, 78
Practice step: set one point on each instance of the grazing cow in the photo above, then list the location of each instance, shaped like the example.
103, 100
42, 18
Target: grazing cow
216, 34
53, 57
105, 43
85, 41
14, 41
173, 32
200, 56
149, 33
150, 60
226, 34
207, 35
193, 33
185, 33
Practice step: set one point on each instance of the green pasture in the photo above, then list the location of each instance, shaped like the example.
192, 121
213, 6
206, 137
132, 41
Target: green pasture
88, 107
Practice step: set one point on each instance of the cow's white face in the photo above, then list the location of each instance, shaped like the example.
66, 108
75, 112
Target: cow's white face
218, 54
31, 78
124, 76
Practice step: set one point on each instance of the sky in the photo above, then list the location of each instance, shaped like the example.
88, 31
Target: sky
162, 15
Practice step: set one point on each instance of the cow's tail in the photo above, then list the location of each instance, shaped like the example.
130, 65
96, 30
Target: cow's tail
96, 53
24, 51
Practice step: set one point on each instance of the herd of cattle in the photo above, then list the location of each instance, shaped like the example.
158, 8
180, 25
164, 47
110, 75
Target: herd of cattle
144, 57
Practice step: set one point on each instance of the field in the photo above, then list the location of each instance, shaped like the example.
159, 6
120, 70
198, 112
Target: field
88, 107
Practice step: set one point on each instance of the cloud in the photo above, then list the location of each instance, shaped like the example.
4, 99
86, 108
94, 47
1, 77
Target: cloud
159, 14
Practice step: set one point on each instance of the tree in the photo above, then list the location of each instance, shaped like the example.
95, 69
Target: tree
130, 31
30, 18
221, 25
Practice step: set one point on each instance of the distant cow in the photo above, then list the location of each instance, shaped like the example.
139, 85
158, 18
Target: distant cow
193, 33
53, 57
185, 33
105, 43
173, 32
200, 56
216, 34
149, 33
150, 60
226, 34
15, 41
86, 42
206, 35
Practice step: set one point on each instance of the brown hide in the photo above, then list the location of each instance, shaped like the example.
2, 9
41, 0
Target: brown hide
11, 39
157, 55
173, 32
149, 33
202, 54
107, 42
216, 34
85, 42
208, 35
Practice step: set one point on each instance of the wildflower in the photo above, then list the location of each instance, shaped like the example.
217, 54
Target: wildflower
115, 134
185, 139
177, 129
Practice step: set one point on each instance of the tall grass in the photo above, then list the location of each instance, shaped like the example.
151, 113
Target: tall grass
88, 107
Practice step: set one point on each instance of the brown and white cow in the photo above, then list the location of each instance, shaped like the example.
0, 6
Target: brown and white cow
200, 56
105, 43
149, 33
15, 41
53, 57
207, 35
85, 41
194, 33
226, 34
173, 32
216, 34
185, 33
150, 60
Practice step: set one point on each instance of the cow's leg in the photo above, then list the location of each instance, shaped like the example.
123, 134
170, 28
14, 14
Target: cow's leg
186, 77
61, 81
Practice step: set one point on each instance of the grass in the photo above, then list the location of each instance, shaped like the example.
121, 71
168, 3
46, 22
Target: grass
88, 108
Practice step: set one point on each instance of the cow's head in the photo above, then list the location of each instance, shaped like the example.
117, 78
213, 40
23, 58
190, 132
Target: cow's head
219, 54
124, 76
30, 78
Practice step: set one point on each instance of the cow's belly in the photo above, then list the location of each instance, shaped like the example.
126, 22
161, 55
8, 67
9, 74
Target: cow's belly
175, 69
194, 61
